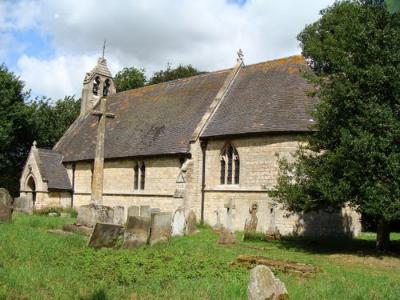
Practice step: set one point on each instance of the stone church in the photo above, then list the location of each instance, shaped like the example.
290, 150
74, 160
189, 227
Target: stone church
206, 143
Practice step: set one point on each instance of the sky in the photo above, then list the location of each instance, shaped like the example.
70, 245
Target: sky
52, 44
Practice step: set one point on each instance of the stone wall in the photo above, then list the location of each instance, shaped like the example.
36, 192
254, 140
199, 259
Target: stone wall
258, 173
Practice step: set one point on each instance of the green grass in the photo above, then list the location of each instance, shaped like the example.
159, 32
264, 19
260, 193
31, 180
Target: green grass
37, 265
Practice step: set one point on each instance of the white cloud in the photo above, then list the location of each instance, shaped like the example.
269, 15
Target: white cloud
150, 34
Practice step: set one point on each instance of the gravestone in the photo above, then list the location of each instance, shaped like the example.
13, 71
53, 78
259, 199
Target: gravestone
119, 215
89, 215
264, 285
5, 206
272, 230
160, 227
230, 206
133, 211
250, 225
104, 235
146, 211
178, 223
23, 204
191, 223
218, 226
137, 232
227, 237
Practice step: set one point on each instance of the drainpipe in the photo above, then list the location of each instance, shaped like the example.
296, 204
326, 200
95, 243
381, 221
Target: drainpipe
73, 184
203, 145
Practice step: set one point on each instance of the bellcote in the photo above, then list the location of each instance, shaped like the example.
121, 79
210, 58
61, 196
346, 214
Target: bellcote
97, 83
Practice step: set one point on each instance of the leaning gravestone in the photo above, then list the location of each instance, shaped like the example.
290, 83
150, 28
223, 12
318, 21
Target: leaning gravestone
264, 285
178, 223
137, 232
89, 215
5, 206
226, 237
104, 235
145, 211
191, 223
160, 227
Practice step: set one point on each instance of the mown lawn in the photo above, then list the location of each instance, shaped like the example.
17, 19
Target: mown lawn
37, 265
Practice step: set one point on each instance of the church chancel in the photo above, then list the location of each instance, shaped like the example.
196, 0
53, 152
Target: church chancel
205, 144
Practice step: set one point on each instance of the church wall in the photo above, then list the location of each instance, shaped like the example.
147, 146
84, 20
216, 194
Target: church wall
258, 173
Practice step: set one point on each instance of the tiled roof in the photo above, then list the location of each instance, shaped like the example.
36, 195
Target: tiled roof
265, 97
52, 169
153, 120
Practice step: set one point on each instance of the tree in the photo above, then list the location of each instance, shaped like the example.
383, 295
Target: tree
171, 74
16, 129
353, 153
129, 78
51, 120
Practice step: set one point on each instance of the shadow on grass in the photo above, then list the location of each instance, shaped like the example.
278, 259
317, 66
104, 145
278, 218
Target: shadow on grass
338, 245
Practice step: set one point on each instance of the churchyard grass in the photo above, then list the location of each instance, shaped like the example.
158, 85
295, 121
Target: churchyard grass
37, 265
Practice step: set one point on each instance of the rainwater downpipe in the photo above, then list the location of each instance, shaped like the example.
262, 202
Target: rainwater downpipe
203, 145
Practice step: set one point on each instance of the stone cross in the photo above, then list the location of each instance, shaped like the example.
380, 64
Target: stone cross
229, 210
98, 170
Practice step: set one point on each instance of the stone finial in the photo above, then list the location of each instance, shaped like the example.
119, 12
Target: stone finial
240, 56
34, 144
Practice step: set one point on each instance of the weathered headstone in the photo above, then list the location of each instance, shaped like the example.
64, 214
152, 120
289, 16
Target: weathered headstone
23, 204
272, 230
191, 223
250, 225
89, 215
145, 211
137, 232
160, 227
178, 223
119, 215
133, 211
150, 211
104, 235
264, 285
227, 237
5, 206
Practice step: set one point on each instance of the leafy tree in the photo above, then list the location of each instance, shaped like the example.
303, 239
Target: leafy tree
353, 153
16, 129
171, 74
129, 78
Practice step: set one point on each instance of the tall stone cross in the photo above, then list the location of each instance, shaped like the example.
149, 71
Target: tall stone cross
98, 170
230, 206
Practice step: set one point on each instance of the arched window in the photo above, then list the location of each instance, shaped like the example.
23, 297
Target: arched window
96, 85
139, 176
106, 87
230, 165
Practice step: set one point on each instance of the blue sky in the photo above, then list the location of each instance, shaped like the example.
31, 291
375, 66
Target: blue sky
51, 44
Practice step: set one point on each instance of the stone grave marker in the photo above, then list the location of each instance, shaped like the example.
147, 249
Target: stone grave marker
227, 236
191, 223
5, 206
218, 226
250, 225
133, 211
264, 285
89, 215
23, 204
137, 232
178, 223
145, 211
104, 235
119, 215
160, 227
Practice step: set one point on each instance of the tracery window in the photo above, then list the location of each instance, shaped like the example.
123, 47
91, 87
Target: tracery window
139, 176
230, 165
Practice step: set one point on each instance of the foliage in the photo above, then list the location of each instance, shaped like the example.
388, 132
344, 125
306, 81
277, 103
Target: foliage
58, 210
353, 152
129, 78
393, 5
193, 267
16, 128
23, 121
171, 74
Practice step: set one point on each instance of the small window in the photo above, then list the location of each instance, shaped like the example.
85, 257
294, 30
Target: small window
139, 176
96, 85
106, 87
230, 165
